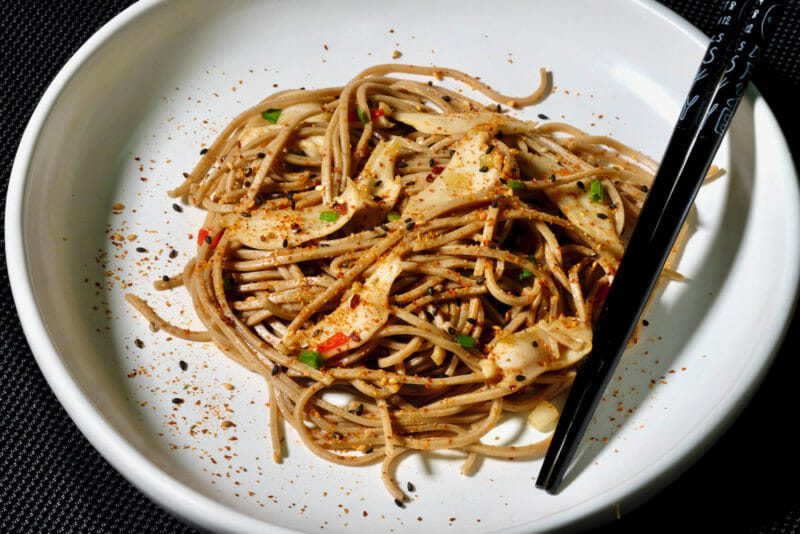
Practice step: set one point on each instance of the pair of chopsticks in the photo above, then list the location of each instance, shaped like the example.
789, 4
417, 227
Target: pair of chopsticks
742, 30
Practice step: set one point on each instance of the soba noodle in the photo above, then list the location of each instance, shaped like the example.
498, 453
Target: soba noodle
434, 258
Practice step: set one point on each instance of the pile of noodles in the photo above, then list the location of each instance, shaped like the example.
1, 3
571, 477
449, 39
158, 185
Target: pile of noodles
432, 259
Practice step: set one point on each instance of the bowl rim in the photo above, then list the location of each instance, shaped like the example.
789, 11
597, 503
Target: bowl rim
204, 512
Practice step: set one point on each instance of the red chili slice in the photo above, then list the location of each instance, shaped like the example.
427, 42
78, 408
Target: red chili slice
602, 293
340, 208
336, 340
375, 113
355, 300
215, 241
437, 169
203, 233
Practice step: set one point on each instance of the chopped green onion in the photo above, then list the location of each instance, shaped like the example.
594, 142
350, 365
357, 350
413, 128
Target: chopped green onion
525, 274
328, 216
515, 185
466, 341
596, 191
312, 358
393, 216
271, 115
363, 117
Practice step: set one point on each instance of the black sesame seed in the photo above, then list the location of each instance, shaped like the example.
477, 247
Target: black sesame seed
489, 150
290, 196
612, 204
399, 503
452, 151
248, 172
165, 278
543, 116
580, 185
285, 243
261, 155
499, 135
173, 254
377, 183
428, 316
276, 369
337, 435
446, 98
472, 321
430, 291
430, 83
483, 168
499, 108
246, 214
411, 487
177, 400
535, 343
481, 280
644, 189
376, 198
402, 165
494, 203
183, 365
410, 225
451, 330
645, 322
369, 450
141, 249
178, 208
602, 216
519, 378
360, 409
203, 152
552, 177
431, 162
208, 239
139, 343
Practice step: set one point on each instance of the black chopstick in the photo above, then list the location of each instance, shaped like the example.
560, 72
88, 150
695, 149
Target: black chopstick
704, 119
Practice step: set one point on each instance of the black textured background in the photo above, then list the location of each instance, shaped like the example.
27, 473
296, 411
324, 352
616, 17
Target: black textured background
51, 479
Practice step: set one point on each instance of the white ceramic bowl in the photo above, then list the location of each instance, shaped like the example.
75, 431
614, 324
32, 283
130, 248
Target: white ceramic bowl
163, 77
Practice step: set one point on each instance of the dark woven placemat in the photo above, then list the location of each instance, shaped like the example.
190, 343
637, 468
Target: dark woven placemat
51, 479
